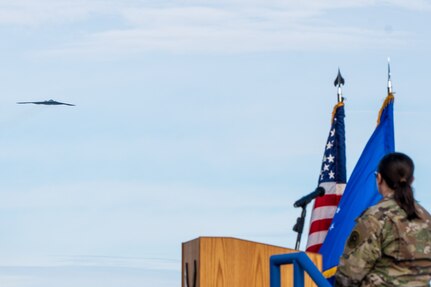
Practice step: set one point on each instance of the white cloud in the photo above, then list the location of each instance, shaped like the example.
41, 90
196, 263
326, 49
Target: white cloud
416, 5
27, 12
108, 195
201, 26
71, 276
134, 220
91, 261
250, 37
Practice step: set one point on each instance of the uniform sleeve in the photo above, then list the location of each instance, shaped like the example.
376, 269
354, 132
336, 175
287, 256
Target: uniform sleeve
362, 249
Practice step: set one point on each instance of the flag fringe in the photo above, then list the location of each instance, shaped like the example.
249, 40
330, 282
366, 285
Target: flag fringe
330, 272
334, 111
389, 99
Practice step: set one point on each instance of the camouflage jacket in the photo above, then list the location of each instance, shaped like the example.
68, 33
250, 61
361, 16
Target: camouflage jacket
386, 249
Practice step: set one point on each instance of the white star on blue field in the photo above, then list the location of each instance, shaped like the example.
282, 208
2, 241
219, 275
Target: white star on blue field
192, 118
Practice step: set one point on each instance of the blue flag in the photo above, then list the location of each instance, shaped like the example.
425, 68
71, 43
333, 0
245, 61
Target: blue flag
361, 190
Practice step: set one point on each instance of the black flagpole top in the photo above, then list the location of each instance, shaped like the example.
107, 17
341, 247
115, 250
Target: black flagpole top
339, 81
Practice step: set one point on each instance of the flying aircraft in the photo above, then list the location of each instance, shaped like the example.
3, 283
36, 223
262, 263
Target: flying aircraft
50, 102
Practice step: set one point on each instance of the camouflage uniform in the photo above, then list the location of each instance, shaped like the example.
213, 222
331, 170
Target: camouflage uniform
386, 249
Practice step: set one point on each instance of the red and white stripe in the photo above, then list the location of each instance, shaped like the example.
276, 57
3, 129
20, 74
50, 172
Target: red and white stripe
322, 214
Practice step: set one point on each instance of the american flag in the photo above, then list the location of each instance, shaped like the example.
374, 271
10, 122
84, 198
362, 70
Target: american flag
332, 178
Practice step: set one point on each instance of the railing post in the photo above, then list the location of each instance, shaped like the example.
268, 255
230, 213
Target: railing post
298, 275
300, 263
274, 274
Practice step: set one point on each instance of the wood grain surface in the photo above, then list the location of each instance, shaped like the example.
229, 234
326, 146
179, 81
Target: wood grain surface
232, 262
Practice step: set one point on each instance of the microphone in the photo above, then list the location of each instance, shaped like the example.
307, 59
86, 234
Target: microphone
319, 191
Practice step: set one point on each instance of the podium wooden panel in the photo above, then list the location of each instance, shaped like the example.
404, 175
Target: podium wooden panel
232, 262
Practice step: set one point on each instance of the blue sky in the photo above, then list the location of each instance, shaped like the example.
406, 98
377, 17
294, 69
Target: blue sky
193, 118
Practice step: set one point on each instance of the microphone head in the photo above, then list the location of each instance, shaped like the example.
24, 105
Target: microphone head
321, 191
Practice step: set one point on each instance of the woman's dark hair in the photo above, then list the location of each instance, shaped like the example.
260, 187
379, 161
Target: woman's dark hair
397, 170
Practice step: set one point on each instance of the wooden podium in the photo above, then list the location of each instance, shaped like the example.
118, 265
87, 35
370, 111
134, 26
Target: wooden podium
232, 262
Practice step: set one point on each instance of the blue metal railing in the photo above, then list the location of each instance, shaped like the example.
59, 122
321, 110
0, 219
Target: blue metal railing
301, 263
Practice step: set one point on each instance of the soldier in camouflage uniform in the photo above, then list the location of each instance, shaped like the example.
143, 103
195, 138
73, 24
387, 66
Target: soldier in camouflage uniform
391, 243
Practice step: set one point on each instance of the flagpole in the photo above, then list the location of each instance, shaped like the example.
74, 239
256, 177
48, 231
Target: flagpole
299, 226
339, 81
389, 77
